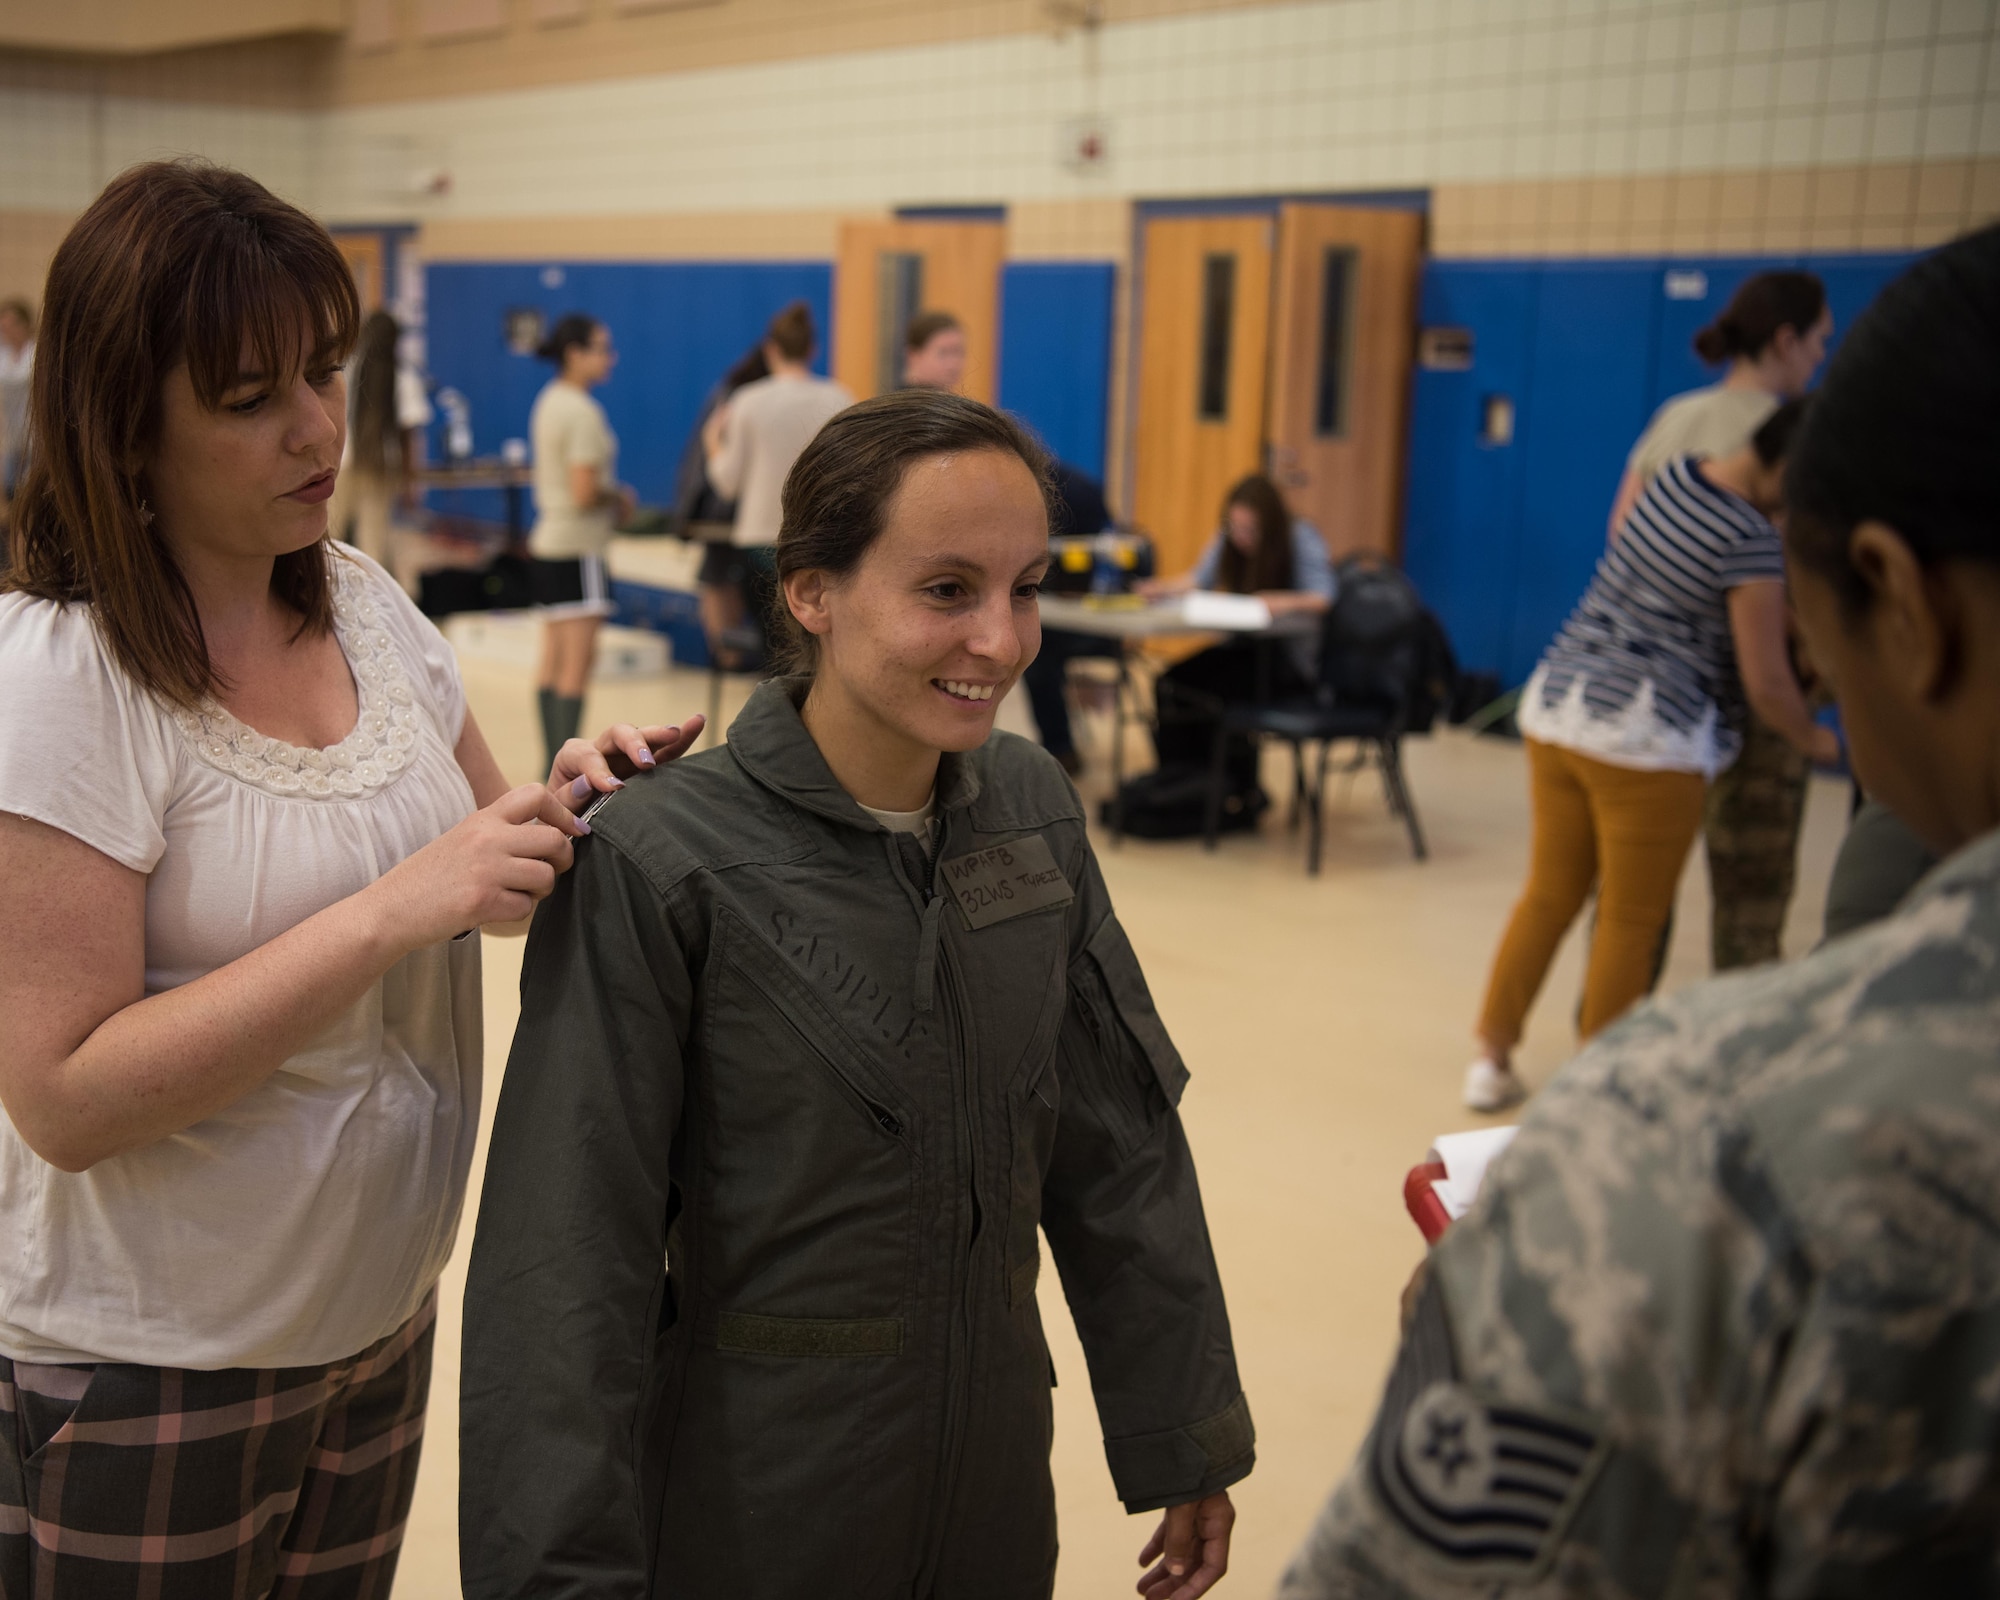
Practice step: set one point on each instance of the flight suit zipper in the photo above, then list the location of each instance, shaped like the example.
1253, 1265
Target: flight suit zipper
934, 982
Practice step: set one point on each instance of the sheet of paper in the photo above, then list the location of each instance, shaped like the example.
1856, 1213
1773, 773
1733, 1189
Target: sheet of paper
1466, 1156
1237, 613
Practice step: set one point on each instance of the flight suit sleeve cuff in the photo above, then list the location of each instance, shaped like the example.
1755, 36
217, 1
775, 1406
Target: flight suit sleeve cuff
1152, 1470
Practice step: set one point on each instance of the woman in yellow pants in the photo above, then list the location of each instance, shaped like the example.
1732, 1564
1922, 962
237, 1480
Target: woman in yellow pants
1633, 709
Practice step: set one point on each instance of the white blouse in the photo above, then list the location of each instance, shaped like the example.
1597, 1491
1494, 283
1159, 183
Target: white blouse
310, 1218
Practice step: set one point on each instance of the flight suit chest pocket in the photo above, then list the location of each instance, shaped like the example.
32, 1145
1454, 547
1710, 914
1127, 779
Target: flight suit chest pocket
1115, 1050
804, 1184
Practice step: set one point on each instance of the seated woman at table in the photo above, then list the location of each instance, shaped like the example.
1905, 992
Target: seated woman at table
1260, 549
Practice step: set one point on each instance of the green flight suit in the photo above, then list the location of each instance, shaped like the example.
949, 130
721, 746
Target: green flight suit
1725, 1319
752, 1305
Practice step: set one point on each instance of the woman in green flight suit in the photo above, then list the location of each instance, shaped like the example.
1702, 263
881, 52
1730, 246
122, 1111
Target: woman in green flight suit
822, 1027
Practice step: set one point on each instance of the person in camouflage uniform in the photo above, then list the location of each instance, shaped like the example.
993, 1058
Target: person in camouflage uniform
1725, 1320
1750, 825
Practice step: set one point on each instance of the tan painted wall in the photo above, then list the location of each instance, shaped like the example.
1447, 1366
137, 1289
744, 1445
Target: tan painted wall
1880, 207
1069, 230
1886, 206
684, 236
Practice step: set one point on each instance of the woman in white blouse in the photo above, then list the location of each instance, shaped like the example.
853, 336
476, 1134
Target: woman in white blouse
247, 821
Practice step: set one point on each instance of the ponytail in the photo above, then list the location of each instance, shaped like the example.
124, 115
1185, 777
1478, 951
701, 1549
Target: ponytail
1761, 306
792, 332
571, 332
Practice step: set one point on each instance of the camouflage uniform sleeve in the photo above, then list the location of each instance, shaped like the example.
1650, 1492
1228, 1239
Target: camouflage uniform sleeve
1574, 1408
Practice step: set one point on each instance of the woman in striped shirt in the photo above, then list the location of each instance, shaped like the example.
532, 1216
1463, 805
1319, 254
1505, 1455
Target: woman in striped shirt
1634, 708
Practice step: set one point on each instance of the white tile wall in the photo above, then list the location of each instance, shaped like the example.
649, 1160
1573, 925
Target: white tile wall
1330, 94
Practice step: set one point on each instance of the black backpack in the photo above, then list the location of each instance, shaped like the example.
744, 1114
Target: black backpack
1383, 644
1171, 802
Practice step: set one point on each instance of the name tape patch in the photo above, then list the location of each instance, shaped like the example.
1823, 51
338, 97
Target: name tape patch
1005, 880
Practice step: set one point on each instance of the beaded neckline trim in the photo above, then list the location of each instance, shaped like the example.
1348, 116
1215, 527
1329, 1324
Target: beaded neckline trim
382, 743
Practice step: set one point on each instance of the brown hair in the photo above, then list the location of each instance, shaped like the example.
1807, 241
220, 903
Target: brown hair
378, 434
1761, 306
792, 331
927, 325
177, 261
1271, 567
573, 331
838, 492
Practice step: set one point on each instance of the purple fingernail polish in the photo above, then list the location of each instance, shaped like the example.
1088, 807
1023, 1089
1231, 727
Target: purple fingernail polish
645, 758
579, 789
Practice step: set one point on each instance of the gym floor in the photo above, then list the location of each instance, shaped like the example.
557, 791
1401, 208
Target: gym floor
1326, 1023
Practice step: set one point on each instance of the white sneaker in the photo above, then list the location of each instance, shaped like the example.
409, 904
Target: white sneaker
1492, 1087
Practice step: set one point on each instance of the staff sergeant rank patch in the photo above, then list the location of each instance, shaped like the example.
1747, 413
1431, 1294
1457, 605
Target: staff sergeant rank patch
1005, 880
1484, 1486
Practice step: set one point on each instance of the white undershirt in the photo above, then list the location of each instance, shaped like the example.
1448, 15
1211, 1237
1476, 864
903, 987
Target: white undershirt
917, 823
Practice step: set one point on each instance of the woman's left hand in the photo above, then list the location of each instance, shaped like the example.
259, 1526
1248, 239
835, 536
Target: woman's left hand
586, 768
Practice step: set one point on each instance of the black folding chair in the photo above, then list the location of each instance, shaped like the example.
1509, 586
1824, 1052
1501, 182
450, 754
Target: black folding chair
1372, 690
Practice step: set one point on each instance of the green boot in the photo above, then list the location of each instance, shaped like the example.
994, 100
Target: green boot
545, 703
565, 717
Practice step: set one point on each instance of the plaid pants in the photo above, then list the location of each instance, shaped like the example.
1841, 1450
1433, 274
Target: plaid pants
126, 1482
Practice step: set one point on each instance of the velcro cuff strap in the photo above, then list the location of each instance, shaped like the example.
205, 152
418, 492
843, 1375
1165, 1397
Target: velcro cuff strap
744, 1334
1159, 1468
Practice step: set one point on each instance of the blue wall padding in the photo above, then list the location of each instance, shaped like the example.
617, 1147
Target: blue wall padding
678, 327
1462, 531
1055, 353
1587, 400
1502, 539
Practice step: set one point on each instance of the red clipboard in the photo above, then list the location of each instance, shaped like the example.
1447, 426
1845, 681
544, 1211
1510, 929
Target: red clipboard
1426, 1209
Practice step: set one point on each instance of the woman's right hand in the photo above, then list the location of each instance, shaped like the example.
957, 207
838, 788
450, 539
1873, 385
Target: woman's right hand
493, 867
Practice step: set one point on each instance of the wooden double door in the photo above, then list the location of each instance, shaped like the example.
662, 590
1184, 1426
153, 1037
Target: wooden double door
1281, 344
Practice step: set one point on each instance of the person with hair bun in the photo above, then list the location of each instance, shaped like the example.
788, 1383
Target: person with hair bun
578, 503
248, 824
828, 1025
1772, 336
752, 439
1725, 1317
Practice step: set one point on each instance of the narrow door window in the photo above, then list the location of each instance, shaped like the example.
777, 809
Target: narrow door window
1218, 319
1335, 320
899, 292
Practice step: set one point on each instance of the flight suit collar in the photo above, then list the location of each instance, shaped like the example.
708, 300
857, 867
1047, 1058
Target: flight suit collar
770, 743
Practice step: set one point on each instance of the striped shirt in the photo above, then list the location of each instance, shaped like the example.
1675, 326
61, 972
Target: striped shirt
1644, 672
